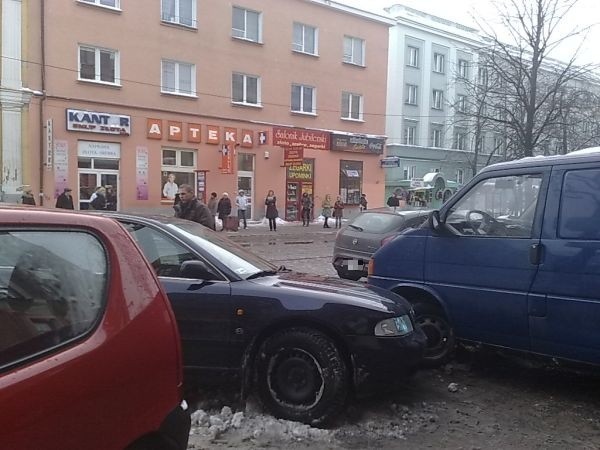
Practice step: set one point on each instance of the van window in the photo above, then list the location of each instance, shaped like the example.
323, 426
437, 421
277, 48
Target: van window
52, 290
502, 206
580, 205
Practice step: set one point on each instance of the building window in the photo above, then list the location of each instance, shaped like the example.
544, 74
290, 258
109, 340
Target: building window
98, 64
437, 137
181, 12
438, 99
438, 63
460, 176
245, 89
350, 181
409, 172
463, 68
410, 133
246, 24
461, 103
303, 99
116, 4
460, 139
178, 167
305, 39
413, 57
354, 50
178, 78
498, 144
482, 76
412, 94
352, 106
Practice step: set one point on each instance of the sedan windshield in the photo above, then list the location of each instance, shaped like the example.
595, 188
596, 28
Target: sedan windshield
243, 263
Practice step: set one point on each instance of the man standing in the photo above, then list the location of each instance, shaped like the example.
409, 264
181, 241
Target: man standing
65, 200
193, 209
241, 202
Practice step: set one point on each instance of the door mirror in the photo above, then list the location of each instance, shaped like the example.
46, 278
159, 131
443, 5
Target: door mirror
196, 270
435, 222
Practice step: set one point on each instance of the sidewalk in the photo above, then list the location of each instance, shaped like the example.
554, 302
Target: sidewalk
292, 231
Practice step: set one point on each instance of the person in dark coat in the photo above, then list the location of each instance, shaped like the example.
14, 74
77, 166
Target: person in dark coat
338, 212
111, 198
306, 204
212, 204
191, 208
65, 200
27, 198
224, 209
271, 213
363, 202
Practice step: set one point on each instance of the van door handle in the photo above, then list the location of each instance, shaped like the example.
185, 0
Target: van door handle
535, 254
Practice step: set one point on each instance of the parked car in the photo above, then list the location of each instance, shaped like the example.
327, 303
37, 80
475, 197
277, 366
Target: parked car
303, 342
89, 349
512, 260
356, 242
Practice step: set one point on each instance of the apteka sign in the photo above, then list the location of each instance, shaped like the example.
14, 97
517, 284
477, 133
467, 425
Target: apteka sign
96, 122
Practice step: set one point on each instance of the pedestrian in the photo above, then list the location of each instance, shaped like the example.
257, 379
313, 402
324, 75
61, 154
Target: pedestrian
170, 188
241, 201
212, 205
363, 202
393, 201
338, 212
326, 208
271, 212
177, 204
306, 204
111, 198
191, 208
98, 199
224, 209
27, 198
65, 200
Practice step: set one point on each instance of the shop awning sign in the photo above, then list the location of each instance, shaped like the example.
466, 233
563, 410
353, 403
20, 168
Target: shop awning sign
298, 137
97, 122
357, 143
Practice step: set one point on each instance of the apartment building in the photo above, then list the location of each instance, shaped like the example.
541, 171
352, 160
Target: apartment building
287, 95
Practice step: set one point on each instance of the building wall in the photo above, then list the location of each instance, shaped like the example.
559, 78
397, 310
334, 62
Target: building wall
142, 40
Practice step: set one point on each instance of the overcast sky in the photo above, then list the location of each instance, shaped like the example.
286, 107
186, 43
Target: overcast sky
585, 13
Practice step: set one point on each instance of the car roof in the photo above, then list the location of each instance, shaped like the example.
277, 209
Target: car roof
406, 212
579, 156
29, 215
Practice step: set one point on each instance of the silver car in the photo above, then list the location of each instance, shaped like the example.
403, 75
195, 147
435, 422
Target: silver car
362, 236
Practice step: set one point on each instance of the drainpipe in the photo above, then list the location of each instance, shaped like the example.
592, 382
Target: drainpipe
43, 97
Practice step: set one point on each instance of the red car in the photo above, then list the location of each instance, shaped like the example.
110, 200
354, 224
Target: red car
89, 347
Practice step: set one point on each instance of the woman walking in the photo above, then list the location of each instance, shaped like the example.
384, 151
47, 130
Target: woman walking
224, 209
338, 212
271, 212
326, 206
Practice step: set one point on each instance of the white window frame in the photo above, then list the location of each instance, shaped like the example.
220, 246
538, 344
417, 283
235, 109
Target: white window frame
97, 72
300, 47
245, 78
352, 115
482, 76
463, 69
437, 138
177, 88
438, 99
413, 57
461, 103
460, 176
438, 62
498, 144
243, 33
460, 140
177, 19
410, 133
409, 172
350, 58
303, 87
412, 94
116, 7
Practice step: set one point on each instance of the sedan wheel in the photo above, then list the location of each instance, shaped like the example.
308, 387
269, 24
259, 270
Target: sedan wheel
302, 376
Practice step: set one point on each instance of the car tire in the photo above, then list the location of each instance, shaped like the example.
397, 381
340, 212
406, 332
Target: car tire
440, 335
302, 376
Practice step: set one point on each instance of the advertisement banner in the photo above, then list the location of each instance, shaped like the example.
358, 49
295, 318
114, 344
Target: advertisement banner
357, 143
293, 156
61, 166
226, 159
296, 137
141, 165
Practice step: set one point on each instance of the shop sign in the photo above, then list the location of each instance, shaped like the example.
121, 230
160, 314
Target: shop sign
417, 183
302, 172
390, 161
293, 156
357, 143
95, 122
192, 133
88, 149
227, 159
296, 137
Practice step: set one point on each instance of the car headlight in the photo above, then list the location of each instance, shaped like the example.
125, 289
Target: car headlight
396, 326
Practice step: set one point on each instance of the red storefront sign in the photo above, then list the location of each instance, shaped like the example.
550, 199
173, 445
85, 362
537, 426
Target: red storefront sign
297, 137
293, 156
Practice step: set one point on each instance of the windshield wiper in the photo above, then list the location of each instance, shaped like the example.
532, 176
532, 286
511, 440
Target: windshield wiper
356, 227
262, 273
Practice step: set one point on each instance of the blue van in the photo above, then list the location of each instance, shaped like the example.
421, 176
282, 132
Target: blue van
511, 260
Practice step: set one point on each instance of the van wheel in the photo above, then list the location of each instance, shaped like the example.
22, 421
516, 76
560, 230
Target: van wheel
302, 376
440, 335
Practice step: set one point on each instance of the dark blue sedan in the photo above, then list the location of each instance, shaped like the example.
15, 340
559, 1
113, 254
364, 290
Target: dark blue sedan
304, 342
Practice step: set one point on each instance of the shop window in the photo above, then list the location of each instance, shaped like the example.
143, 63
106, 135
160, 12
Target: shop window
245, 162
351, 181
178, 167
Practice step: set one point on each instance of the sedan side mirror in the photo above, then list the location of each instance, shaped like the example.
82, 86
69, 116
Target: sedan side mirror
435, 222
197, 270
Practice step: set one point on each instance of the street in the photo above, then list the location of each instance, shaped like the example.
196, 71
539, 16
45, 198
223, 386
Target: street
481, 400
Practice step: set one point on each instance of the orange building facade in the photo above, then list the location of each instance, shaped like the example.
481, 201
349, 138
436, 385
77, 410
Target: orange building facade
287, 95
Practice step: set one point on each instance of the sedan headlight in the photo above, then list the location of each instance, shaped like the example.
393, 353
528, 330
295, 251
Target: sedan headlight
396, 326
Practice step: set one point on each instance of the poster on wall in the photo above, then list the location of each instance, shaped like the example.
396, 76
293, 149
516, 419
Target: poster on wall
201, 185
170, 182
61, 166
141, 165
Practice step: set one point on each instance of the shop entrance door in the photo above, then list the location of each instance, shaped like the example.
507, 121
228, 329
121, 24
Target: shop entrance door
299, 179
246, 184
89, 180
